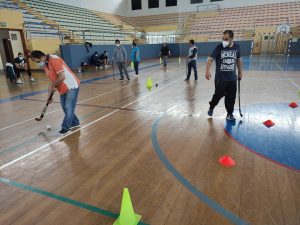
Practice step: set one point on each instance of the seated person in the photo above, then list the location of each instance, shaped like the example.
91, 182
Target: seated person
104, 59
95, 60
20, 65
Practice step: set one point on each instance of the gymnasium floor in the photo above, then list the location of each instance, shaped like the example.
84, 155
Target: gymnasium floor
158, 143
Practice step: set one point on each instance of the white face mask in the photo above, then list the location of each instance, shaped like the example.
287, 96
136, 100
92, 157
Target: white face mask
21, 58
118, 45
225, 43
42, 64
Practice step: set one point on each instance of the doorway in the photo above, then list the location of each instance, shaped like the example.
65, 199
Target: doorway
282, 44
11, 43
268, 43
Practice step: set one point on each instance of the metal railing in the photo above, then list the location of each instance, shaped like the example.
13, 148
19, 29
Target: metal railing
107, 37
208, 7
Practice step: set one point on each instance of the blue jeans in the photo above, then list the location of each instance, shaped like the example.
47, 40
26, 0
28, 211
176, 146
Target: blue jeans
192, 64
68, 103
165, 59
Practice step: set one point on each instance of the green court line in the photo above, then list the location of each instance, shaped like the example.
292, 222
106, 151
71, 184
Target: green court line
62, 199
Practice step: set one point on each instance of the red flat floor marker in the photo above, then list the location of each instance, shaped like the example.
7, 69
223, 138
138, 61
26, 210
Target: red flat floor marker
269, 123
293, 105
226, 161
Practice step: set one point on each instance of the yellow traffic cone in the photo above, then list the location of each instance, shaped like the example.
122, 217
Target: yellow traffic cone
160, 60
149, 83
132, 65
127, 215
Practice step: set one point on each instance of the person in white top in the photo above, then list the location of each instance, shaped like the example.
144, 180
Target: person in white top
192, 60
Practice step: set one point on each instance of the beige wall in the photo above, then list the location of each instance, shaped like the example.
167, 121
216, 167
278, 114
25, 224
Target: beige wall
48, 46
12, 18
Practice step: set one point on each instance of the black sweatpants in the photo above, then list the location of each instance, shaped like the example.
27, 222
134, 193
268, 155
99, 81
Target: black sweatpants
19, 71
227, 89
136, 67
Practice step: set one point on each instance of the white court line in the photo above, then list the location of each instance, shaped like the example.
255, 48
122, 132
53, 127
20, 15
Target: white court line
24, 121
296, 85
87, 125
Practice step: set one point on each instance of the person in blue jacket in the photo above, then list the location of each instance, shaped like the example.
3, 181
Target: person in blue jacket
135, 57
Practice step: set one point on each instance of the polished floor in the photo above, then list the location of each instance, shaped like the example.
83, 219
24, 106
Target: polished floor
160, 144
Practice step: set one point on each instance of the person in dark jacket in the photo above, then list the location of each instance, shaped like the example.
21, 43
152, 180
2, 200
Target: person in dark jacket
95, 60
165, 53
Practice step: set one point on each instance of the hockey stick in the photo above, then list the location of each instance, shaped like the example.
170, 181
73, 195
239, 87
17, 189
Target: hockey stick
239, 93
45, 108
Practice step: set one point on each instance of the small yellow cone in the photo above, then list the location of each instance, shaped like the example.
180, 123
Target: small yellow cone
132, 65
149, 83
127, 215
160, 60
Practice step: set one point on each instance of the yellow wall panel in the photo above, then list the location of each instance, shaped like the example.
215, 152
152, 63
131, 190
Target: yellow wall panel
12, 18
48, 46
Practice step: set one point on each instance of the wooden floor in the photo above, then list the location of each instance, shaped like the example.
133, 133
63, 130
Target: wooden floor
158, 143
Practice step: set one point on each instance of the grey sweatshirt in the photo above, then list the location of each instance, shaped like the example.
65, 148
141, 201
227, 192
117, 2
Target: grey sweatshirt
119, 55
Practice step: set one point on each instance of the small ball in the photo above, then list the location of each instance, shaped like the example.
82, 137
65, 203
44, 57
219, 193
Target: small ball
48, 127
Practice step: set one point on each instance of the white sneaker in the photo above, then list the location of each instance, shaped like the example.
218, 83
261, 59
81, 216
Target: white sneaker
75, 127
19, 81
32, 79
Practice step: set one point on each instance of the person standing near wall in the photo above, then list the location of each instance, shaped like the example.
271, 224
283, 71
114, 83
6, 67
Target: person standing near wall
135, 57
65, 82
192, 60
165, 53
120, 58
227, 56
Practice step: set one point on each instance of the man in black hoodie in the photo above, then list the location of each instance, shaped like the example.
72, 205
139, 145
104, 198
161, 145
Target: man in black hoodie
164, 53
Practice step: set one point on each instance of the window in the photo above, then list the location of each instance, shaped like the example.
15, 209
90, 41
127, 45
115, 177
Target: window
14, 37
196, 1
171, 3
153, 4
136, 4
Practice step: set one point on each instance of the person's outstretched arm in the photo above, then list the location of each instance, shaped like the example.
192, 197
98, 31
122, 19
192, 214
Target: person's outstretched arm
208, 66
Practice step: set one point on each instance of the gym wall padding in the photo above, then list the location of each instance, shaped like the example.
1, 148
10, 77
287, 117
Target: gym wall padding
75, 54
295, 48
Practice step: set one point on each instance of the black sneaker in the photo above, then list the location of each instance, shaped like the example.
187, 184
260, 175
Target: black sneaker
230, 117
64, 132
210, 111
121, 79
186, 79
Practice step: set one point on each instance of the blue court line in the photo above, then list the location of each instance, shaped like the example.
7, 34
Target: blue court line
62, 199
18, 97
209, 202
